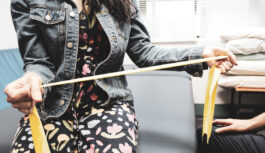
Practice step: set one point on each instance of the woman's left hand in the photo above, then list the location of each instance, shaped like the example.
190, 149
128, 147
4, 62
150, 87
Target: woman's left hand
226, 64
233, 125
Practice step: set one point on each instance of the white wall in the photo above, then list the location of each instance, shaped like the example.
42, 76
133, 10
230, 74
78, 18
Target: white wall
7, 33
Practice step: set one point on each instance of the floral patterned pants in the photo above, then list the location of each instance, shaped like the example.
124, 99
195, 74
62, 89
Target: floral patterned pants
111, 128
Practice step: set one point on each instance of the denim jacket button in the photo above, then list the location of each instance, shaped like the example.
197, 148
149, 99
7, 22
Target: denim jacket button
72, 14
70, 45
48, 17
62, 102
67, 75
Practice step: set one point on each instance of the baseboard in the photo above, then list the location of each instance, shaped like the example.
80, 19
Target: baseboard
226, 110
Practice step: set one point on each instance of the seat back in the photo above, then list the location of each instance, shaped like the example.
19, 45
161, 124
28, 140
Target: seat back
165, 111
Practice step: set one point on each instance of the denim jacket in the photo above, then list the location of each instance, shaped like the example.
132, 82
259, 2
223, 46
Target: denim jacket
48, 36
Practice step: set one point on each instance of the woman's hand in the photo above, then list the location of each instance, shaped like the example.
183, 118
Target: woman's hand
233, 125
226, 64
24, 92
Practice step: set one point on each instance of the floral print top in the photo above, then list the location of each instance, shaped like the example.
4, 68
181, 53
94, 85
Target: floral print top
93, 49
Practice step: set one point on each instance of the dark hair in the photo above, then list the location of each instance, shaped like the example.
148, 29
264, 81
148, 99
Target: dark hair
121, 10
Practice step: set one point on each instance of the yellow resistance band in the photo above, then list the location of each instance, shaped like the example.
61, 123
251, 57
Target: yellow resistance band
209, 103
39, 138
152, 68
38, 135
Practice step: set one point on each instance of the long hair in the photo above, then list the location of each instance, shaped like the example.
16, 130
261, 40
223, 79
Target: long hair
121, 10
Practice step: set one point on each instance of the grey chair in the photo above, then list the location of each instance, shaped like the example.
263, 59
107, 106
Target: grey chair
9, 122
165, 111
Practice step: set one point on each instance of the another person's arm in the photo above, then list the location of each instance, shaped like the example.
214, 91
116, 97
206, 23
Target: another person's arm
237, 125
38, 68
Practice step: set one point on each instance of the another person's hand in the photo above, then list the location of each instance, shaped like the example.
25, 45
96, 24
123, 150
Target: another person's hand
226, 64
25, 92
233, 125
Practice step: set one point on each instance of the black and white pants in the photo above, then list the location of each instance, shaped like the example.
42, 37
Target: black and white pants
85, 129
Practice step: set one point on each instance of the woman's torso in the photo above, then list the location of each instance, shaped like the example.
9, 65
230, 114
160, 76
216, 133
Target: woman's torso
58, 23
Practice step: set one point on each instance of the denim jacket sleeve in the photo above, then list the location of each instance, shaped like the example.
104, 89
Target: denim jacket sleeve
32, 49
143, 53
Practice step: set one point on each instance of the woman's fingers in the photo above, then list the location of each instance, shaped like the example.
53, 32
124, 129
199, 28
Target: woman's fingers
26, 111
232, 57
229, 64
16, 95
212, 52
225, 66
221, 67
227, 52
23, 105
25, 92
36, 90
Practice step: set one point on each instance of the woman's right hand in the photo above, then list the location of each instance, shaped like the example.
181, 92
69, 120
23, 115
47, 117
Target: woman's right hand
25, 92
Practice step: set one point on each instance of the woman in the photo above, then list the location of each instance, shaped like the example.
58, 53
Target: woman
64, 39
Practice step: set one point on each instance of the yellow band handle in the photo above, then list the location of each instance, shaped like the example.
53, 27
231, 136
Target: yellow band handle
38, 135
209, 103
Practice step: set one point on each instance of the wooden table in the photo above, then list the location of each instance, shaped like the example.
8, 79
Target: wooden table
245, 89
240, 91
